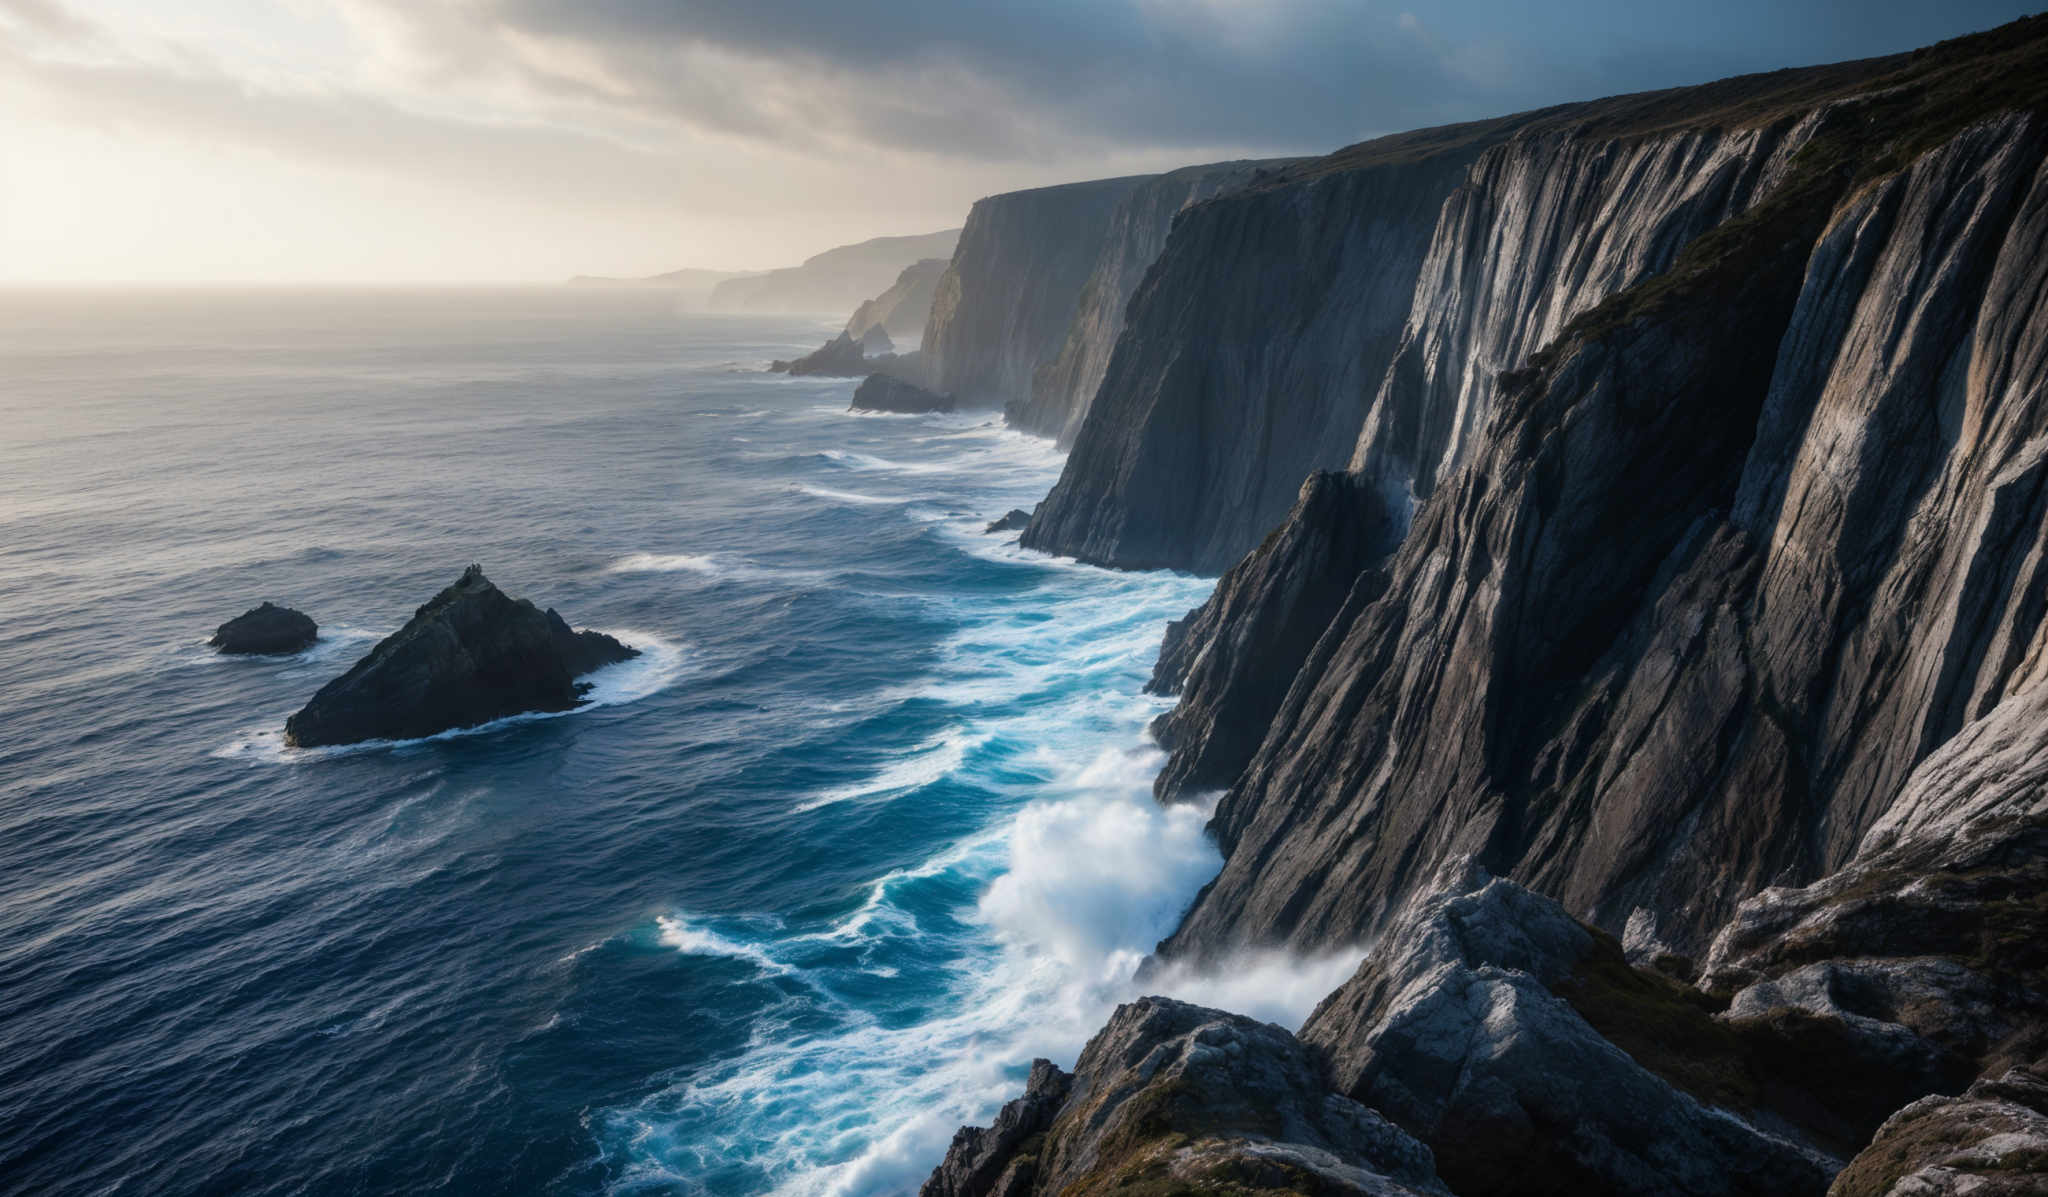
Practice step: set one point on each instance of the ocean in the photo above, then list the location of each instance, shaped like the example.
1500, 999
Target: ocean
805, 887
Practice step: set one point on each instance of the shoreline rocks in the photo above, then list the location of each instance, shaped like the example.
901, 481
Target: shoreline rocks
471, 655
885, 392
267, 630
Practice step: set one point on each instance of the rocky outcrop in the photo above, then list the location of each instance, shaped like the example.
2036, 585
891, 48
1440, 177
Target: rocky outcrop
1063, 386
1457, 1029
835, 281
880, 392
1004, 305
469, 656
266, 630
840, 357
1170, 1097
1014, 520
901, 311
1746, 544
1992, 1141
1233, 658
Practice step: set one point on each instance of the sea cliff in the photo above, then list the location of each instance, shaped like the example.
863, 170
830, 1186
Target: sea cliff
1631, 519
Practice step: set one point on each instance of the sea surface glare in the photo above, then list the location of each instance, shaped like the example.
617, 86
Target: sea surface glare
804, 888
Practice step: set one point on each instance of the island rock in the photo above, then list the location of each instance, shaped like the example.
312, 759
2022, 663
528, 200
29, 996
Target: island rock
471, 655
268, 629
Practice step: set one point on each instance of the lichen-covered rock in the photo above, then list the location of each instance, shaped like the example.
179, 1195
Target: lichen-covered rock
1170, 1097
471, 655
266, 630
1991, 1141
1458, 1028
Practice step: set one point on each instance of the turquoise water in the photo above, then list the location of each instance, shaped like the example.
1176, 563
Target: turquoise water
866, 829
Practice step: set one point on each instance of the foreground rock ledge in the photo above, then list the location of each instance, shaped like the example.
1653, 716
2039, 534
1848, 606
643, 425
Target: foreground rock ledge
471, 655
266, 630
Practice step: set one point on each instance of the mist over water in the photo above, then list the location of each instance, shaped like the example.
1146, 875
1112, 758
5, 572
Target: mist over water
807, 887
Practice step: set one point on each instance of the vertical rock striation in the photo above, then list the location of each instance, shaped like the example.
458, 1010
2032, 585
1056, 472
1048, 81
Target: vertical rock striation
1005, 302
1735, 554
1062, 387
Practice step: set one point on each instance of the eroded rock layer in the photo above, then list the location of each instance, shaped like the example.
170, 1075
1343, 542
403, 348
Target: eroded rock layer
1729, 559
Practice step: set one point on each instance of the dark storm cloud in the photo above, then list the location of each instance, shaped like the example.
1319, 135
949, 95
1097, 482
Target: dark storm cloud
1006, 79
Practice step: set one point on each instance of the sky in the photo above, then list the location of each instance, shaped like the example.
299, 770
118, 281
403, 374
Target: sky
384, 141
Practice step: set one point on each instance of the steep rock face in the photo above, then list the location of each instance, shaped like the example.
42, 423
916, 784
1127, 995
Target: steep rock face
1746, 545
1003, 307
1170, 1097
901, 311
1063, 386
1930, 943
1356, 310
472, 654
1232, 659
1246, 361
1454, 1029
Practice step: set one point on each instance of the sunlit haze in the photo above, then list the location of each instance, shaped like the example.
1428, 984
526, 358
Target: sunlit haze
527, 140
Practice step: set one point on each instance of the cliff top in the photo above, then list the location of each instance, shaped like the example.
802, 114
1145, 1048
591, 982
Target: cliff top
1962, 79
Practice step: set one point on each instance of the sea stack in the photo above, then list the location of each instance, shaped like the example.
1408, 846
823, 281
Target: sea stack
267, 630
470, 655
883, 392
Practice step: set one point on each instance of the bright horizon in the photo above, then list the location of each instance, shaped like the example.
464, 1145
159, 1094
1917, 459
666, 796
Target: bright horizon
495, 142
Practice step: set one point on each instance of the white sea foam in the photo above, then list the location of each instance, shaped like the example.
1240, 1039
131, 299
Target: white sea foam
936, 758
666, 563
847, 496
679, 933
659, 664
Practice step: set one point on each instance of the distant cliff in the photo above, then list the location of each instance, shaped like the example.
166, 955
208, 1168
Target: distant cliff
835, 281
902, 310
1063, 386
692, 287
1006, 302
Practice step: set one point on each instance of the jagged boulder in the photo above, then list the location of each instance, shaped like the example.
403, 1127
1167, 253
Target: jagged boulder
1170, 1097
1014, 521
266, 630
1458, 1028
883, 392
1992, 1141
472, 654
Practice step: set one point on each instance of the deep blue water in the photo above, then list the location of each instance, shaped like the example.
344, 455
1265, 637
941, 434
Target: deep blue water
865, 829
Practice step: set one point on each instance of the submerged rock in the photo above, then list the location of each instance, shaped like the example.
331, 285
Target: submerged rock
470, 655
883, 392
1174, 1098
267, 629
1012, 522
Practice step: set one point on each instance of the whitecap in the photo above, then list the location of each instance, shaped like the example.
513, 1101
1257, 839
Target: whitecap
930, 761
666, 563
693, 940
659, 664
